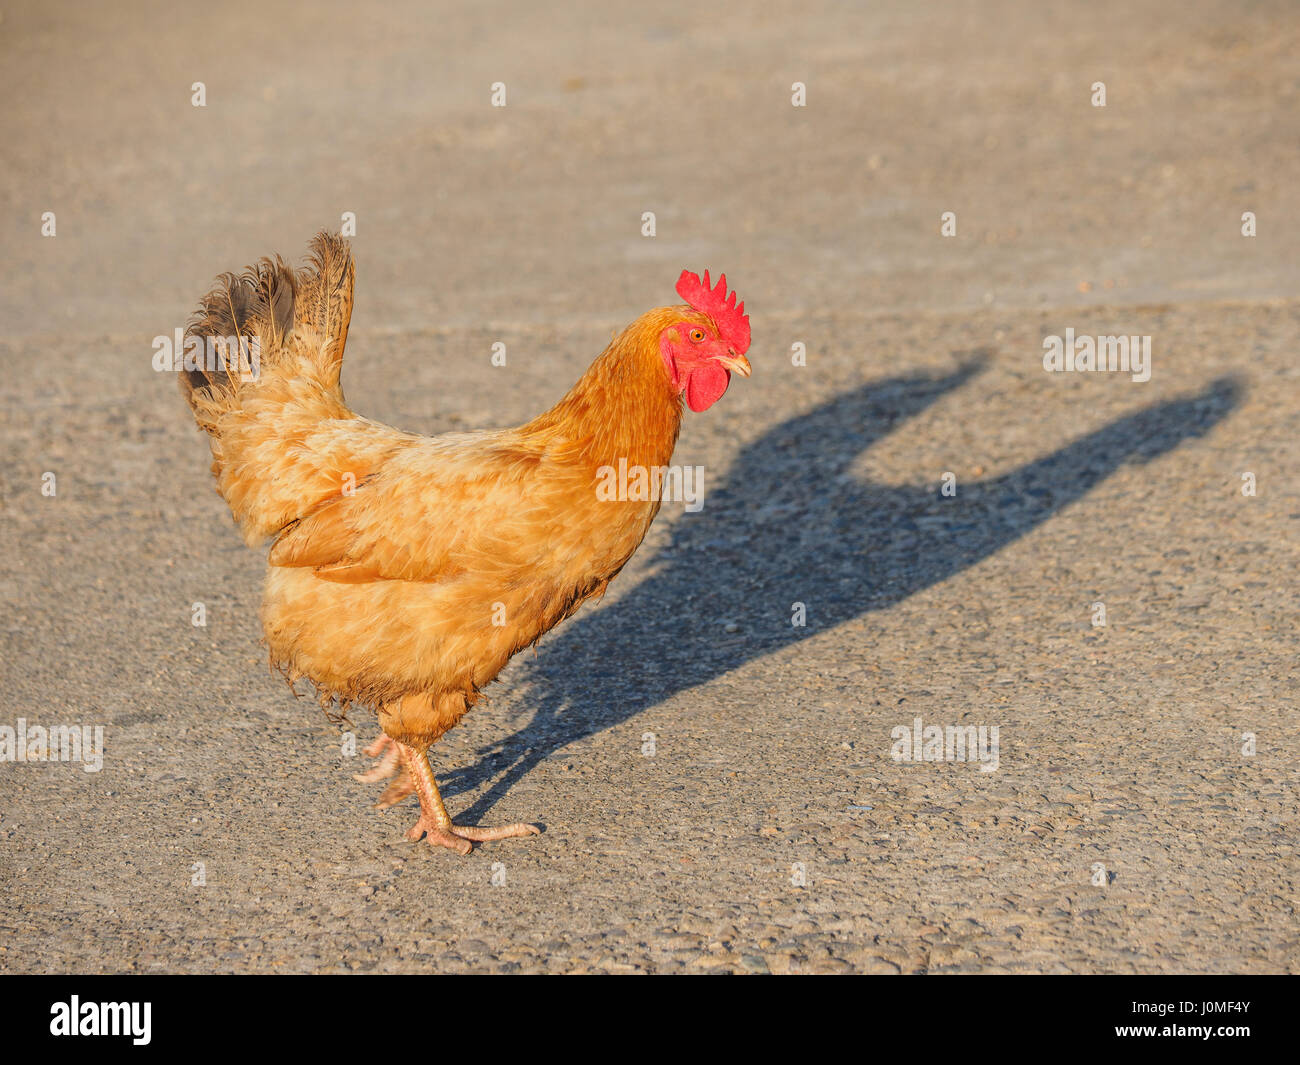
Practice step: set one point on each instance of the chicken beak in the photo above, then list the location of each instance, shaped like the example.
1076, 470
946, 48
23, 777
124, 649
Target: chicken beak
735, 362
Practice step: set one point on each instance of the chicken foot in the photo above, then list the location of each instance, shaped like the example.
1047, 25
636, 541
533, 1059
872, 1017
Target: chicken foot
435, 823
390, 764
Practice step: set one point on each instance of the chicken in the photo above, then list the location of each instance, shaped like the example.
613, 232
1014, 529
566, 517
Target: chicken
404, 570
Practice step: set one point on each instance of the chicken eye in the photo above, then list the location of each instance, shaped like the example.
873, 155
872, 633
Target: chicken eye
697, 336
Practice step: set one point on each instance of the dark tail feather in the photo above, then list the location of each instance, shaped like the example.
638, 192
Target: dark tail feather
268, 303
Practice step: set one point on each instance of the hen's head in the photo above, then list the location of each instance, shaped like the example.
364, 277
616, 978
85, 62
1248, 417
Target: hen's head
701, 349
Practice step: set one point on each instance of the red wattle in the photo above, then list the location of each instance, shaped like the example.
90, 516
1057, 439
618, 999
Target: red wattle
705, 385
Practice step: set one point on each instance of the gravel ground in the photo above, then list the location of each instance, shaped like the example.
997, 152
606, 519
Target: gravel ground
717, 784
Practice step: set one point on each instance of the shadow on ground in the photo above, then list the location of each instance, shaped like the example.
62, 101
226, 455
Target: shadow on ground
790, 525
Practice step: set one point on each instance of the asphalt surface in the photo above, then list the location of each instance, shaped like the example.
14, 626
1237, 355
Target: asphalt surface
1142, 815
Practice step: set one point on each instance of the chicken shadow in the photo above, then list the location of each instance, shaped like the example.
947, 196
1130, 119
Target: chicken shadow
790, 524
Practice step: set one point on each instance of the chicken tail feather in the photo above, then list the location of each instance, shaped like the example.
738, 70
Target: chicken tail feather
263, 382
268, 320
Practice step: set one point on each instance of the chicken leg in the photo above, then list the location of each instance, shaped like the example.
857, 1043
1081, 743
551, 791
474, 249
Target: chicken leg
435, 823
388, 763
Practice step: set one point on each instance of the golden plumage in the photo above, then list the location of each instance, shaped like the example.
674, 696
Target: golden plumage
406, 570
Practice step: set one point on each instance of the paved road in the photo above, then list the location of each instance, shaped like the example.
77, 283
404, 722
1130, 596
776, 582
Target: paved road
1142, 815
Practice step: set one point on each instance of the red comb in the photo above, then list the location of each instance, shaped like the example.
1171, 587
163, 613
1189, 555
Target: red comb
731, 320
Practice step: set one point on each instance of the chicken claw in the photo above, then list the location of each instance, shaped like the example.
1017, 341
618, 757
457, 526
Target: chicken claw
398, 790
389, 765
435, 823
389, 761
462, 839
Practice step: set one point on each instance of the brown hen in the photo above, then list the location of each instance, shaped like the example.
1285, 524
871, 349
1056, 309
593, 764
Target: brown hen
405, 570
